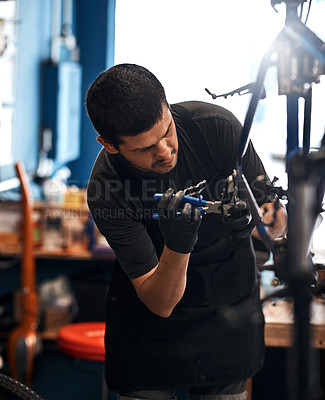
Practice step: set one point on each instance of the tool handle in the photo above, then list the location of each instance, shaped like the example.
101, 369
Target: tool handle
195, 201
247, 195
155, 216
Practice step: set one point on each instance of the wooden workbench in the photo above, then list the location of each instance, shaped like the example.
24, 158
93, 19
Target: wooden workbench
279, 323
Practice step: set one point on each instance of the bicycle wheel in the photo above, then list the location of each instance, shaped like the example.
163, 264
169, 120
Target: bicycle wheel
10, 389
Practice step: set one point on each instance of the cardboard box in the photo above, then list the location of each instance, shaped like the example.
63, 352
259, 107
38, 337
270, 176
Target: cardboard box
54, 318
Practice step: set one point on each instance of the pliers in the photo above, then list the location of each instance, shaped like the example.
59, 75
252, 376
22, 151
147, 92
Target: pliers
229, 198
204, 206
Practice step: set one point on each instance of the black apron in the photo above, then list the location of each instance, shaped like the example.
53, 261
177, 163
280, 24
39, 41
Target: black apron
214, 334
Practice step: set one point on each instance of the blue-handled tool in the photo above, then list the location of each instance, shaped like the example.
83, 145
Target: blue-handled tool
229, 197
195, 201
204, 206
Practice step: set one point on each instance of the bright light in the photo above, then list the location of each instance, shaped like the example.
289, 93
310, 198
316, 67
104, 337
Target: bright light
191, 45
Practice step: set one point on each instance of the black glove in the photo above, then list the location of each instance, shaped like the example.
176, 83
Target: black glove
179, 223
239, 220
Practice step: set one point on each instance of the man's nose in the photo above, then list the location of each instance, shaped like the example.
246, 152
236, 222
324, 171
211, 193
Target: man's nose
162, 150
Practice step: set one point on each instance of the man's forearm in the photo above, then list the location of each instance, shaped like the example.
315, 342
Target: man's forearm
162, 289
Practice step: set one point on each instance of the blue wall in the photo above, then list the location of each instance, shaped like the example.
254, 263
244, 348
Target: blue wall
33, 45
95, 26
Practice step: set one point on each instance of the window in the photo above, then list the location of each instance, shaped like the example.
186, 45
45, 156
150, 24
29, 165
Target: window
191, 45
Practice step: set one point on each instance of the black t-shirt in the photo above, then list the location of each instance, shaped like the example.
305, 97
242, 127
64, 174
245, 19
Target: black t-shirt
215, 333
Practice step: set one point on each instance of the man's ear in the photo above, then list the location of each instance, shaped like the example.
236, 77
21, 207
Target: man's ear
108, 146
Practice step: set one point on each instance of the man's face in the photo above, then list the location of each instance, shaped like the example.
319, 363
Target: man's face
154, 150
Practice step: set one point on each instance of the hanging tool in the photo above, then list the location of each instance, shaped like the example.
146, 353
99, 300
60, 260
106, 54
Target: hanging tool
240, 91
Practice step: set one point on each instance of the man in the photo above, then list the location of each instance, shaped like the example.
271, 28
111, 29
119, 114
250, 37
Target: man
183, 307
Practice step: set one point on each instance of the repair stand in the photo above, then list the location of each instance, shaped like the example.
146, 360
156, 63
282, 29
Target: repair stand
300, 62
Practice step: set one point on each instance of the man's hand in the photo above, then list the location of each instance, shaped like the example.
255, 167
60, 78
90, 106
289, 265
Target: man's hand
179, 223
275, 219
239, 220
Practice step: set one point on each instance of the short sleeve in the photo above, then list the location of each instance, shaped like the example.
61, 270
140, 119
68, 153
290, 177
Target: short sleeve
126, 235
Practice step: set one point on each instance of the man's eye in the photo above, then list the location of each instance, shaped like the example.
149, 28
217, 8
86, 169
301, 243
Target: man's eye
145, 150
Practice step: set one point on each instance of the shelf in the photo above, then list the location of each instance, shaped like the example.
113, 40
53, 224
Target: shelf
70, 222
70, 254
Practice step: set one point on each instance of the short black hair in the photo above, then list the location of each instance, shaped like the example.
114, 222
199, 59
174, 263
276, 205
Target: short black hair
125, 100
